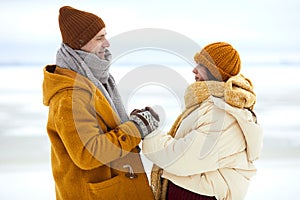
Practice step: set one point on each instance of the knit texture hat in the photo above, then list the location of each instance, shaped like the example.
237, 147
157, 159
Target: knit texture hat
78, 27
221, 59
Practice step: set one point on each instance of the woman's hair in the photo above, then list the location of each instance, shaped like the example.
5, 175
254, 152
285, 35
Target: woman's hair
210, 76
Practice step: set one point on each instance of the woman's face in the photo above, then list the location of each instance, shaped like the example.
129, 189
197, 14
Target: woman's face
200, 73
98, 44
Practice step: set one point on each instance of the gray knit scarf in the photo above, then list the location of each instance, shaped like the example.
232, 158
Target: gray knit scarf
96, 70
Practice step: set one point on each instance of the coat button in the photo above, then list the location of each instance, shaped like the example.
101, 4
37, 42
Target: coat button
116, 130
123, 138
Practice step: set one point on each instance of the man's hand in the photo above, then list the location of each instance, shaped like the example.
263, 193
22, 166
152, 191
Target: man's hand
147, 120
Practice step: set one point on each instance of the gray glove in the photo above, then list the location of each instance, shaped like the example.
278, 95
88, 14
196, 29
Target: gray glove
146, 120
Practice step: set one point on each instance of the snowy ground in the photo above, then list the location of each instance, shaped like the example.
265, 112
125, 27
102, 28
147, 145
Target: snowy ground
276, 179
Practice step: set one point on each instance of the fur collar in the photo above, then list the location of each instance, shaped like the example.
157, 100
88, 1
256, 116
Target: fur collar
236, 91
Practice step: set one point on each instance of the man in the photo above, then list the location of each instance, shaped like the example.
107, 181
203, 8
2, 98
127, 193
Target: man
94, 144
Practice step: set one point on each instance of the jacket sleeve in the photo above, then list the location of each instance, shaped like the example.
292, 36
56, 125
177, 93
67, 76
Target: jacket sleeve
192, 154
87, 145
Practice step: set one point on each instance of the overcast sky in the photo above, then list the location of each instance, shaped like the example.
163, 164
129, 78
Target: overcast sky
30, 30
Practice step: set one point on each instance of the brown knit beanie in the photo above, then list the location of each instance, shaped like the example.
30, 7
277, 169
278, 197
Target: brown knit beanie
221, 59
78, 27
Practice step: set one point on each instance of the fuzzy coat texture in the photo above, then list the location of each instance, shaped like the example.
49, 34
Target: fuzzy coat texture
211, 147
89, 145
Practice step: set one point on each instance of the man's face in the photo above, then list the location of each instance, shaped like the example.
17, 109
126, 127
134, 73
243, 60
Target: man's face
97, 44
200, 73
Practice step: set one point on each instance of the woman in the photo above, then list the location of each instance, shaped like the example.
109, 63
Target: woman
210, 149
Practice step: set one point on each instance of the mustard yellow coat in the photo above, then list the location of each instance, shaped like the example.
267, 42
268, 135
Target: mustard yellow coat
91, 151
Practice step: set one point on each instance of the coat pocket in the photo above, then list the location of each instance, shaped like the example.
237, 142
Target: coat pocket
118, 188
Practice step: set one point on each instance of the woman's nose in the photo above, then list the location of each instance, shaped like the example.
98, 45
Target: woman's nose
194, 70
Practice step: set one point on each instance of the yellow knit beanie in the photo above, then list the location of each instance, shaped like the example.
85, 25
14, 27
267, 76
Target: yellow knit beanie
221, 59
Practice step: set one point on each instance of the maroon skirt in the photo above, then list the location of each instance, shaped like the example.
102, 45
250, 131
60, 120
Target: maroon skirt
175, 192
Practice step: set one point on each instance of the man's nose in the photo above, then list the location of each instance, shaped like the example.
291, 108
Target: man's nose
106, 43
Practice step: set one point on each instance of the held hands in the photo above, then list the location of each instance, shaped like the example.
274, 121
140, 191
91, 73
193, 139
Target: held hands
146, 119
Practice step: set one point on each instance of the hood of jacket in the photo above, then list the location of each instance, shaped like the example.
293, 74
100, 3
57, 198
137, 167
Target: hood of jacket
252, 131
57, 79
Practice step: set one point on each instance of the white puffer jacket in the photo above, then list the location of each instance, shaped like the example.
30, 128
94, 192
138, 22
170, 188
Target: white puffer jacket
212, 152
